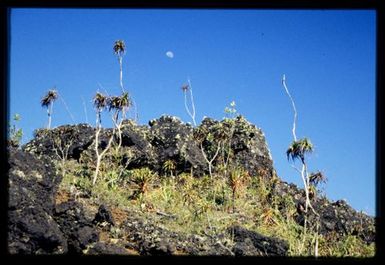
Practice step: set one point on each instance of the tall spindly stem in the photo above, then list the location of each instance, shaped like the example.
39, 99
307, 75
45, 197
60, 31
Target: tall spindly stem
191, 113
293, 104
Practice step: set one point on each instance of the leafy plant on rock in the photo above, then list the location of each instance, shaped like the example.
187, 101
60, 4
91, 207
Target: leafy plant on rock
142, 179
238, 177
169, 167
15, 134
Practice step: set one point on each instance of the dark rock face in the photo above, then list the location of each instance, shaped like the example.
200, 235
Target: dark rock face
166, 138
173, 140
103, 215
35, 224
77, 137
150, 239
248, 144
341, 218
335, 217
79, 231
136, 139
101, 248
249, 243
32, 185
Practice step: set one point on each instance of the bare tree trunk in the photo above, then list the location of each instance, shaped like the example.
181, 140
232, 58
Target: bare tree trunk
49, 111
304, 175
118, 127
191, 114
121, 73
98, 160
100, 155
210, 162
192, 102
293, 104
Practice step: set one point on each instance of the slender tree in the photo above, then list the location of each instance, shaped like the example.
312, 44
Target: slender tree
298, 150
100, 103
201, 134
119, 105
47, 101
293, 104
120, 50
188, 88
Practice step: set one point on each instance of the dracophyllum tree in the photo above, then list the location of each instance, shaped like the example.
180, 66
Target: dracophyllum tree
47, 101
298, 150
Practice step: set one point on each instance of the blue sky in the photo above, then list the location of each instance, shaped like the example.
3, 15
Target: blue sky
328, 57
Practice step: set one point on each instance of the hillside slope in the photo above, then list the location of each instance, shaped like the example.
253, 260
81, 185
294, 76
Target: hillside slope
168, 189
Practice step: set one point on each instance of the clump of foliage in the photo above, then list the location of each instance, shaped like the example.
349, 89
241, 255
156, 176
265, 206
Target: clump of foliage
120, 50
237, 178
169, 167
15, 134
142, 179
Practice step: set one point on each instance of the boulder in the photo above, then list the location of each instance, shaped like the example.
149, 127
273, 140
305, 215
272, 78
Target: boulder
67, 140
32, 187
166, 138
250, 243
247, 143
335, 217
102, 248
104, 215
78, 230
173, 140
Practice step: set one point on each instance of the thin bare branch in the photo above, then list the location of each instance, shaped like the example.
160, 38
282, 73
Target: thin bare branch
293, 104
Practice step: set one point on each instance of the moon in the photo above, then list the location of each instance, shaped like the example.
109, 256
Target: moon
170, 54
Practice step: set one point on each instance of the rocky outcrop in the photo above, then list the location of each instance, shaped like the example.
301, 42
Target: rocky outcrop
40, 224
165, 139
173, 140
337, 218
78, 230
36, 225
249, 243
67, 140
32, 185
247, 144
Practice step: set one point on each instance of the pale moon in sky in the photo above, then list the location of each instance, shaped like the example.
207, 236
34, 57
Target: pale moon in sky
170, 54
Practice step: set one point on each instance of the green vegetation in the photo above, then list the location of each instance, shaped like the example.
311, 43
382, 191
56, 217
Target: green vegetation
15, 134
120, 50
205, 205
